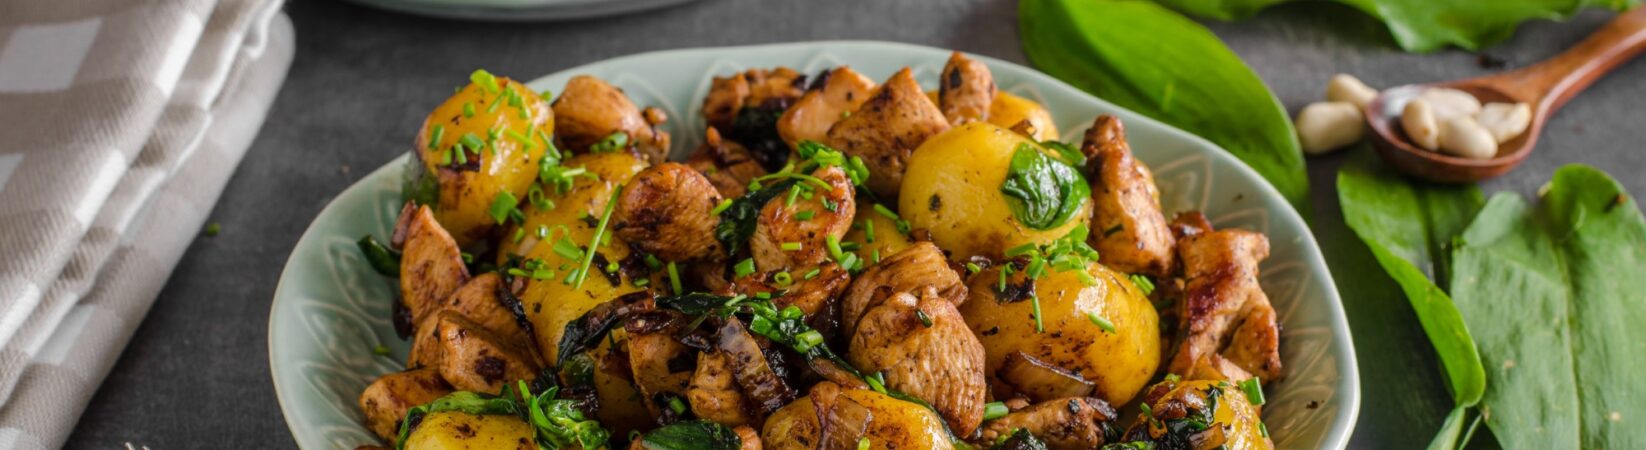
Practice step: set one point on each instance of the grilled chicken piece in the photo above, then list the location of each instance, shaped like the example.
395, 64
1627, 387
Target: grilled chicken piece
896, 119
667, 210
777, 225
386, 400
727, 164
811, 295
925, 349
922, 264
967, 90
1227, 326
714, 394
1074, 423
728, 96
477, 301
839, 93
475, 359
589, 110
1127, 226
431, 264
660, 365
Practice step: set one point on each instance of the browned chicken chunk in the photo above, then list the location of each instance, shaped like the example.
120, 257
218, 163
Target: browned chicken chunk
477, 301
840, 92
816, 296
1127, 225
1074, 423
886, 129
475, 359
726, 163
1228, 328
667, 210
777, 227
431, 264
920, 265
967, 90
386, 400
589, 110
753, 88
661, 367
714, 394
924, 348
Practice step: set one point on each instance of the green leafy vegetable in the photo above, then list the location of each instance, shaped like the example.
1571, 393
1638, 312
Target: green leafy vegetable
1020, 440
1042, 191
692, 435
1180, 74
1425, 25
1406, 224
737, 222
419, 186
1553, 293
386, 262
557, 423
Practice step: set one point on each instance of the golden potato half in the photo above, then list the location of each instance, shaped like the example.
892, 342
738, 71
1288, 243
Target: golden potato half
1007, 110
895, 424
1119, 363
1242, 421
952, 188
456, 430
500, 126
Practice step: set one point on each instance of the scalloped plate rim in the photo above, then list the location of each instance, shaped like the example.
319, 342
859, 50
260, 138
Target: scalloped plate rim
1347, 387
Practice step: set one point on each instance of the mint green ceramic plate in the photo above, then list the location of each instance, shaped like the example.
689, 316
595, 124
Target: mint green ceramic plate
330, 310
518, 10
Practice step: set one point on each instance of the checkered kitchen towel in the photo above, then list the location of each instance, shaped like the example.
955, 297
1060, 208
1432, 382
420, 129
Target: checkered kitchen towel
120, 122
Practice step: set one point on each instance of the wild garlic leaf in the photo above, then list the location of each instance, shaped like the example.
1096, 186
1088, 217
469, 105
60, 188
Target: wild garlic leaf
1043, 192
1554, 295
692, 435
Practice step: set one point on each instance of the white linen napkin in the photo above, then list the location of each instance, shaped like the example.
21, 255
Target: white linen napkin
120, 123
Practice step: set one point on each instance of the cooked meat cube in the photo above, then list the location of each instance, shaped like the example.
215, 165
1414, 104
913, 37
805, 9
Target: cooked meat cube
924, 349
1127, 225
589, 110
475, 359
1074, 423
778, 232
726, 163
667, 211
966, 91
431, 265
918, 266
840, 93
386, 400
896, 119
1228, 326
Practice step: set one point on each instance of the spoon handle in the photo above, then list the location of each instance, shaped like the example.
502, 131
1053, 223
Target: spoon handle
1556, 80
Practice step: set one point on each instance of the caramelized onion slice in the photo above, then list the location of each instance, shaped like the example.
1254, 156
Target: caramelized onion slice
1042, 381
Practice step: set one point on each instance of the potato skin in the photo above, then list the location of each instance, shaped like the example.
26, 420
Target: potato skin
1119, 363
1243, 419
455, 430
896, 424
887, 240
466, 191
952, 189
1007, 110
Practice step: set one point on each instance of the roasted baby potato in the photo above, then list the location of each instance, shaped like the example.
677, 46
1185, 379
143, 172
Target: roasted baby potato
888, 239
953, 189
386, 400
1018, 113
1234, 422
456, 430
1075, 316
485, 140
892, 424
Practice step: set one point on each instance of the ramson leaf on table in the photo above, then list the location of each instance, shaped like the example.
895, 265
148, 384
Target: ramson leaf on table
1426, 25
1180, 74
1556, 297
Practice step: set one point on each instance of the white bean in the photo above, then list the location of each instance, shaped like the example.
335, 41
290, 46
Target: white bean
1505, 120
1418, 119
1347, 88
1323, 127
1448, 102
1463, 137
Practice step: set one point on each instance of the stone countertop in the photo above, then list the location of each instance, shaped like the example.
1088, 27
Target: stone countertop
196, 373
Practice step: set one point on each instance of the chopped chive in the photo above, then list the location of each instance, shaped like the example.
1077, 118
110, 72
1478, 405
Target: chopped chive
1025, 249
973, 268
1102, 323
674, 279
794, 192
496, 102
877, 256
1086, 278
567, 249
884, 211
1254, 390
1173, 378
876, 381
924, 319
812, 274
435, 135
484, 79
677, 406
720, 208
468, 258
1263, 429
599, 233
501, 206
462, 155
811, 338
642, 282
380, 350
868, 230
863, 443
1039, 325
783, 279
830, 205
994, 410
744, 267
904, 227
471, 141
652, 262
468, 109
790, 246
805, 215
1143, 283
213, 228
1002, 286
833, 244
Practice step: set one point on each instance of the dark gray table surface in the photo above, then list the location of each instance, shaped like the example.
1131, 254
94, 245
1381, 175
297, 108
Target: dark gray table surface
196, 374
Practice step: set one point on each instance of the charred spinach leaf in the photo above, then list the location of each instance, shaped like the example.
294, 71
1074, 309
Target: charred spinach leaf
756, 128
383, 260
1043, 191
692, 435
1020, 440
737, 222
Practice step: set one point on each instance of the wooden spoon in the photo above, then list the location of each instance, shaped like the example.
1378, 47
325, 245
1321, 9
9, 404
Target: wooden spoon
1545, 86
